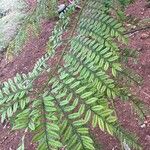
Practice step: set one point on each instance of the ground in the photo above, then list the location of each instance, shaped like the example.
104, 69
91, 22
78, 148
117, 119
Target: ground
34, 49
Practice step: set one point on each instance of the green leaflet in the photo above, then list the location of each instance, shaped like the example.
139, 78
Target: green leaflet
86, 95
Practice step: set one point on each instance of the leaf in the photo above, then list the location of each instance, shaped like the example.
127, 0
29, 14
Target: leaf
74, 115
107, 55
101, 124
109, 129
113, 58
114, 73
92, 100
56, 143
15, 107
106, 66
94, 121
3, 116
81, 89
87, 116
21, 147
32, 126
22, 94
87, 94
97, 108
9, 111
19, 126
72, 140
53, 126
69, 80
22, 104
106, 112
75, 84
6, 91
79, 122
49, 98
38, 136
117, 66
1, 94
109, 93
103, 88
42, 145
83, 130
111, 119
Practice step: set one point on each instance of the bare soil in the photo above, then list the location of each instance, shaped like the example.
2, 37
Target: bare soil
35, 48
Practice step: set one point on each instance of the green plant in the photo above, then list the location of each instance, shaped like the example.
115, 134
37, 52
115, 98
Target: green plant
125, 2
78, 92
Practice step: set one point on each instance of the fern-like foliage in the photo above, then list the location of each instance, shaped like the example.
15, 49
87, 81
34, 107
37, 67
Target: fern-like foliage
79, 92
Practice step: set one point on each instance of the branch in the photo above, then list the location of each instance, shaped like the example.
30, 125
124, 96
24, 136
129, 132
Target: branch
64, 49
137, 30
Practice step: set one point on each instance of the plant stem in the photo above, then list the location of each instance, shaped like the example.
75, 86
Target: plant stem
136, 30
64, 50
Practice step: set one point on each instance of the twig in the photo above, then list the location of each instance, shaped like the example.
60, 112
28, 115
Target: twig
146, 94
136, 30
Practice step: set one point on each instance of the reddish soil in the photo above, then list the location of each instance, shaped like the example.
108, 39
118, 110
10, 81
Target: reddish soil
35, 48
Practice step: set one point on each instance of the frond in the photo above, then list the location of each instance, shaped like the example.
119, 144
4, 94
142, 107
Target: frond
85, 106
13, 95
130, 139
79, 91
14, 91
72, 121
42, 120
46, 130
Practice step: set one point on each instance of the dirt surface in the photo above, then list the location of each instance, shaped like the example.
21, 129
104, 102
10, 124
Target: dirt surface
35, 48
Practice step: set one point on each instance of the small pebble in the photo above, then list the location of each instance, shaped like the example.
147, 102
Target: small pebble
143, 125
147, 138
145, 36
61, 7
